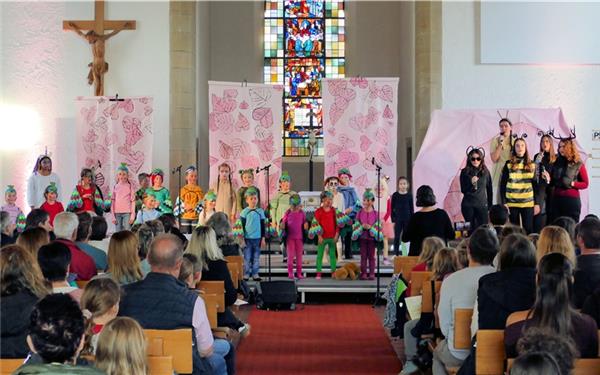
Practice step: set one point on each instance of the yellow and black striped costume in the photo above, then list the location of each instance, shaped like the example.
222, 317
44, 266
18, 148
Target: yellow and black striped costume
518, 190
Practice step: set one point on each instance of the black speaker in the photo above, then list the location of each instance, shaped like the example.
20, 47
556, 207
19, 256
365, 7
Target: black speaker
277, 295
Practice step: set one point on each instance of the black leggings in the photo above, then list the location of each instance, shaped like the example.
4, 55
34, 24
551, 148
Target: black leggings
476, 215
399, 227
566, 206
348, 245
522, 216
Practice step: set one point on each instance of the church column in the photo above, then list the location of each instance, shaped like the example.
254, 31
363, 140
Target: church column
183, 137
428, 66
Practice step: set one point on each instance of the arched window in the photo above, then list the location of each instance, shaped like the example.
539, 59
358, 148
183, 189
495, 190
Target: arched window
304, 42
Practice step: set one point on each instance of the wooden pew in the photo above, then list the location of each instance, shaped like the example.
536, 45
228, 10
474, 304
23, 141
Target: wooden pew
239, 260
9, 365
214, 287
490, 354
426, 304
210, 301
405, 265
176, 343
416, 282
160, 365
234, 273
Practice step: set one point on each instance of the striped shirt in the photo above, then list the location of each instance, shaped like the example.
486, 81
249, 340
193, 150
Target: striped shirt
518, 189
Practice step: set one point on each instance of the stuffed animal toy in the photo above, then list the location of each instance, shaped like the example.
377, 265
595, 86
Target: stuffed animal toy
348, 271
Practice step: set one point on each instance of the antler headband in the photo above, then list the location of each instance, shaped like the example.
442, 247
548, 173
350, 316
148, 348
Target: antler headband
570, 137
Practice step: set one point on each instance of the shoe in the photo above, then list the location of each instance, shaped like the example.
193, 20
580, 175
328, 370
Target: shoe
386, 262
244, 330
246, 278
285, 260
318, 277
409, 368
256, 278
371, 277
299, 277
290, 276
363, 277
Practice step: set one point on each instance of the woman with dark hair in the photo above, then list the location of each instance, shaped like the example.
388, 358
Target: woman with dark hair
428, 221
500, 151
476, 186
517, 186
544, 161
552, 310
568, 177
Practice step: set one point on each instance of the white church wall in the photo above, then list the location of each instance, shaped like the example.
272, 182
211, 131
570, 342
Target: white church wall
44, 68
469, 84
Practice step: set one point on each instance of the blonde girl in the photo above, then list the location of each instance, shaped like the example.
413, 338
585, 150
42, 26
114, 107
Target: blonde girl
226, 200
210, 205
32, 239
100, 305
122, 348
123, 259
554, 239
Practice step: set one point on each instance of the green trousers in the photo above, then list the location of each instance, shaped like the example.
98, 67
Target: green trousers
330, 243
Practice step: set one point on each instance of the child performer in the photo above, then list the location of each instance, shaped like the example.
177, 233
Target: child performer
51, 205
402, 210
247, 176
161, 193
331, 184
325, 217
294, 223
123, 200
189, 201
350, 206
86, 197
226, 201
210, 204
148, 211
367, 217
253, 221
384, 216
144, 182
41, 177
281, 203
16, 215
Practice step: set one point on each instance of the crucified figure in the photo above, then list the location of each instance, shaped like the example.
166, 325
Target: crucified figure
98, 67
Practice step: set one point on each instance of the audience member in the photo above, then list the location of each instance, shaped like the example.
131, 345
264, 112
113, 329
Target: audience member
122, 348
498, 217
84, 230
32, 239
100, 302
463, 253
39, 218
554, 239
222, 227
591, 306
552, 310
160, 301
21, 284
509, 229
124, 265
429, 248
445, 262
170, 224
98, 236
186, 273
156, 226
459, 290
56, 332
7, 229
55, 260
145, 237
65, 228
587, 273
556, 354
567, 224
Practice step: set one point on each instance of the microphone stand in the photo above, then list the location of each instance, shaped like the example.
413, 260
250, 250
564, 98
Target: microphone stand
266, 169
178, 170
378, 291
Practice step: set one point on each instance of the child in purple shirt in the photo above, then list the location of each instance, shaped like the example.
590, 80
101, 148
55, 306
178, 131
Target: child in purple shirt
367, 217
294, 222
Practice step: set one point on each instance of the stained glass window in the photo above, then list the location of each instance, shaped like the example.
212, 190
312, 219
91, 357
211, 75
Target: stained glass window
304, 42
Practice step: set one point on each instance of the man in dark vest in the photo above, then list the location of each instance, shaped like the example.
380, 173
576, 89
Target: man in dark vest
160, 301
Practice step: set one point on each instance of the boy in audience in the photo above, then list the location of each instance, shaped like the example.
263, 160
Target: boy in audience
84, 230
65, 228
587, 274
498, 217
459, 290
54, 260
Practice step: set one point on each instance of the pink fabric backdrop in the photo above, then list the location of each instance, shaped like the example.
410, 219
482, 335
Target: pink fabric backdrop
245, 130
360, 123
443, 153
111, 133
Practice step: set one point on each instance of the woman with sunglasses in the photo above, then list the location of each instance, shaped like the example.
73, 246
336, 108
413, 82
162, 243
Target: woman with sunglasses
476, 186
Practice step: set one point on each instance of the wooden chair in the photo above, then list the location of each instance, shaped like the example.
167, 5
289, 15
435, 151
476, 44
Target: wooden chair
416, 282
176, 343
405, 265
160, 365
9, 365
462, 328
426, 303
583, 366
490, 354
82, 283
237, 259
234, 273
214, 287
210, 301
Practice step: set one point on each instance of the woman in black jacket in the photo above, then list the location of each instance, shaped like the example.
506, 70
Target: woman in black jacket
476, 186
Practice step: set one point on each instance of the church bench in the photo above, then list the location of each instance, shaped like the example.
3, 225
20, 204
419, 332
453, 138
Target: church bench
427, 303
462, 333
214, 287
9, 365
239, 260
416, 282
234, 273
490, 354
211, 302
160, 365
404, 265
176, 343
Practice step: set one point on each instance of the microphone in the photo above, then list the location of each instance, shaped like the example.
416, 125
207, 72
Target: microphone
99, 164
176, 169
373, 160
257, 170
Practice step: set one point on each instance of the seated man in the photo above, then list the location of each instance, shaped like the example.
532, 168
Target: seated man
587, 273
56, 336
84, 230
160, 301
55, 259
65, 228
459, 291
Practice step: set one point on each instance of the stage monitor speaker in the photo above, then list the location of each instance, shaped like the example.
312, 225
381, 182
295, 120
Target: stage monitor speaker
277, 295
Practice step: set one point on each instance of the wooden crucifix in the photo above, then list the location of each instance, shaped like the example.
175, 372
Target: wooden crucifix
96, 37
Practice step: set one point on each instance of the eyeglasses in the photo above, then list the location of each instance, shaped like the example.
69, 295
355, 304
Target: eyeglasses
475, 159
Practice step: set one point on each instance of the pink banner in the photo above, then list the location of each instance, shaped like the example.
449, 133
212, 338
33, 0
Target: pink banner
360, 120
245, 125
114, 132
443, 153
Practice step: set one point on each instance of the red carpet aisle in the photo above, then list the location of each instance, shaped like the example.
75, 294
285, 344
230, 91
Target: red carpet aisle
326, 339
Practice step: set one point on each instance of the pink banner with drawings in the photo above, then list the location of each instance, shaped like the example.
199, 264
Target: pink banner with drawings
360, 120
245, 125
113, 132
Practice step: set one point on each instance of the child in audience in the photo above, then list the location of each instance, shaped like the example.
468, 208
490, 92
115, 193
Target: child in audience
161, 193
325, 217
16, 215
253, 221
144, 182
430, 247
149, 209
226, 197
247, 176
210, 205
122, 348
402, 210
189, 272
189, 201
367, 217
51, 205
100, 305
294, 223
98, 237
123, 200
54, 260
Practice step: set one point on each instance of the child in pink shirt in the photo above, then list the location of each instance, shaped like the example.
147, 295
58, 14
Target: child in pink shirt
123, 200
294, 223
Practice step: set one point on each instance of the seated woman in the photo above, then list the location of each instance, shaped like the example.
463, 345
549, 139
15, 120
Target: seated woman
222, 227
552, 310
124, 264
554, 239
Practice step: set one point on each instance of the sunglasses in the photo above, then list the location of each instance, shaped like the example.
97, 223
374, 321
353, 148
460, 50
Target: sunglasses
475, 159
